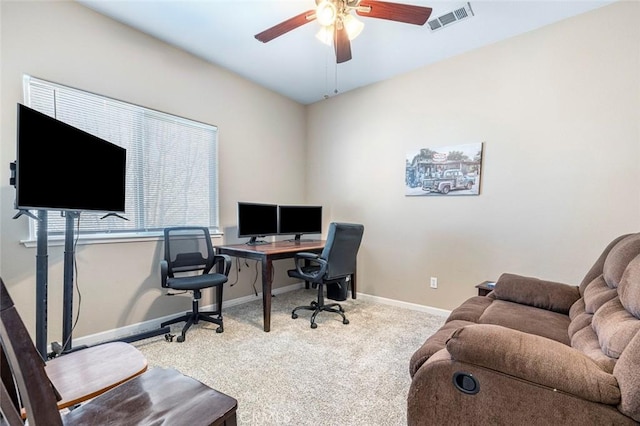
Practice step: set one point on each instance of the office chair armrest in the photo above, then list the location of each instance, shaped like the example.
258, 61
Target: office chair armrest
164, 272
226, 262
307, 255
301, 259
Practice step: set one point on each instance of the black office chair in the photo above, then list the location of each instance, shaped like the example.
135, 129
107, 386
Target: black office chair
333, 268
188, 250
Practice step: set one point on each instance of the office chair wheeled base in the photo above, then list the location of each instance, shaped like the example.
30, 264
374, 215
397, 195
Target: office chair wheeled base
193, 317
190, 318
316, 308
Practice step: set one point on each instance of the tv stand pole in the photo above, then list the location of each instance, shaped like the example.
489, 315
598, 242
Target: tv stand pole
67, 297
42, 266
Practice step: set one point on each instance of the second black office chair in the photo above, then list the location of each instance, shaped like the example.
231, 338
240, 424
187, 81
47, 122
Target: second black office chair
188, 260
333, 267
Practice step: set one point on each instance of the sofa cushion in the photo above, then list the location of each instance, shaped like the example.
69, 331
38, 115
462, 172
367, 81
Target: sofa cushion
629, 288
530, 291
597, 293
577, 308
615, 327
578, 323
619, 257
586, 341
528, 319
471, 309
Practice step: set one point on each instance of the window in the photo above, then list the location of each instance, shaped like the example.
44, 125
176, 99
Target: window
172, 166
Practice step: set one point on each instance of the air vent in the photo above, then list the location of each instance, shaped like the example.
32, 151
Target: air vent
451, 17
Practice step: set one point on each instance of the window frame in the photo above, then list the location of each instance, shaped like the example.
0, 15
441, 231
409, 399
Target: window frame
117, 235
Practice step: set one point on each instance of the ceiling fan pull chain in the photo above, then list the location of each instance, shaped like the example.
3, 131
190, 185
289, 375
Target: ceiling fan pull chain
326, 74
335, 90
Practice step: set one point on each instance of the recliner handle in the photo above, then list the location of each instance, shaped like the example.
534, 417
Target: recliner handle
466, 382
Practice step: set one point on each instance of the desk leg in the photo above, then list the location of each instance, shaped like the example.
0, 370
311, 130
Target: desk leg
267, 267
353, 285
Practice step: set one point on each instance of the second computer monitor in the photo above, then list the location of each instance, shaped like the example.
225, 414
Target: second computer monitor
298, 220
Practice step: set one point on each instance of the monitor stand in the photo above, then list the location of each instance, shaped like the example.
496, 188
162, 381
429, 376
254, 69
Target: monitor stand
254, 241
299, 240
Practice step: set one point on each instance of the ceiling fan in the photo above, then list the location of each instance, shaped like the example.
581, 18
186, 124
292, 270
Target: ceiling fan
339, 26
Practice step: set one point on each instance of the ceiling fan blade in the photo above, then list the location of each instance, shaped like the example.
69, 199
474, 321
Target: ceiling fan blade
406, 13
342, 45
286, 26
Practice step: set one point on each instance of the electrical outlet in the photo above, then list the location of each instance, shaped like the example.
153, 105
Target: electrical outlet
434, 282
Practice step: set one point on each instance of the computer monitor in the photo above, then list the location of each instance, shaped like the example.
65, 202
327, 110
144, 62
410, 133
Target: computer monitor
256, 220
298, 220
60, 167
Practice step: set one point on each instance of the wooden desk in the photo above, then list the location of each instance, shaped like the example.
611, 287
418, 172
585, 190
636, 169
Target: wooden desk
266, 254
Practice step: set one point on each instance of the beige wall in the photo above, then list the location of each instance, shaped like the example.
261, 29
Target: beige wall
67, 43
559, 112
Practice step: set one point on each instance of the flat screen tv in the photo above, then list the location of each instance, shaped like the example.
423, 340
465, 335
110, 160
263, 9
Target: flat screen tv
256, 220
298, 220
60, 167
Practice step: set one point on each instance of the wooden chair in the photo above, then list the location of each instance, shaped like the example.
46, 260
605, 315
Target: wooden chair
156, 394
87, 373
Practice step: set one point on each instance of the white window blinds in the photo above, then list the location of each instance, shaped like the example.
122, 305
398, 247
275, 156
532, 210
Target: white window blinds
172, 168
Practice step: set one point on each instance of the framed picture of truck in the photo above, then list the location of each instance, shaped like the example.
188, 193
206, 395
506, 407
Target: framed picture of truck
444, 171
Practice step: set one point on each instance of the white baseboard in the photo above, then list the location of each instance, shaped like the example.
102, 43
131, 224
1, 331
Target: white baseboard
407, 305
152, 325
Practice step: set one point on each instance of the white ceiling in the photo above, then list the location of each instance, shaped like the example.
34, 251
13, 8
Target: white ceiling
298, 66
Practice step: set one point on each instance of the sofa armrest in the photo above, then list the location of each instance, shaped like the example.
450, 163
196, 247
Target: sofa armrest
549, 295
535, 359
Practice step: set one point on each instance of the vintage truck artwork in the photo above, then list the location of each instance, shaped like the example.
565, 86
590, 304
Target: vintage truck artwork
449, 170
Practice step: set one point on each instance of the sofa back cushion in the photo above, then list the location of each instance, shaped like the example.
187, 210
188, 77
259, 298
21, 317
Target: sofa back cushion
619, 258
607, 317
629, 288
597, 293
615, 327
596, 269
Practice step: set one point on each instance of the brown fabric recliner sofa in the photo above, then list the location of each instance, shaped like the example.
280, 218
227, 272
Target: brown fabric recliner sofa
538, 352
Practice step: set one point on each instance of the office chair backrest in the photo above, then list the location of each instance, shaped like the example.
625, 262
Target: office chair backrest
37, 394
341, 249
187, 249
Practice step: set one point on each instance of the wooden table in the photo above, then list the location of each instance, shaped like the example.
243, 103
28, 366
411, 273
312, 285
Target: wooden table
266, 254
484, 288
160, 395
84, 374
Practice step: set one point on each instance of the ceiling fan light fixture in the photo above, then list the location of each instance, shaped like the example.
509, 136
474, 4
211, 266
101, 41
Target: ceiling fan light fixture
325, 35
352, 25
326, 13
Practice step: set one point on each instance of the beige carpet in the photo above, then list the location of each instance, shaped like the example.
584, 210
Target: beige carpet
355, 374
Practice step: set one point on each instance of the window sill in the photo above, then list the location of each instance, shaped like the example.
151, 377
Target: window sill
131, 237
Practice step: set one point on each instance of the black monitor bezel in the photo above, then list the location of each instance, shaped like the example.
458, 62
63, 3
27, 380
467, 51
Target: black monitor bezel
299, 232
254, 235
